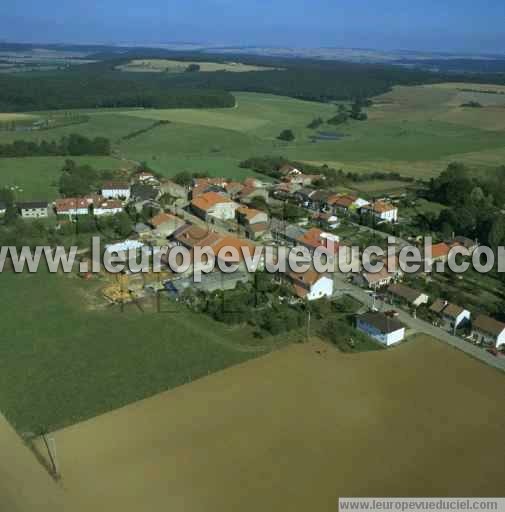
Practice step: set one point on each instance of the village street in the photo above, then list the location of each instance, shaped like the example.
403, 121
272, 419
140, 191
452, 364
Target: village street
342, 286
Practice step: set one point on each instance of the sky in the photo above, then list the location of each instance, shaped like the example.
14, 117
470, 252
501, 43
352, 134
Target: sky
476, 26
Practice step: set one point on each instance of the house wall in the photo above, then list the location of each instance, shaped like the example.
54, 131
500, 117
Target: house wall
422, 299
223, 211
386, 339
74, 211
34, 213
116, 193
321, 288
389, 216
462, 318
500, 340
107, 211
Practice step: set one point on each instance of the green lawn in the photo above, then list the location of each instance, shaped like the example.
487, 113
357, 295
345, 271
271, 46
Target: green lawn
62, 361
36, 178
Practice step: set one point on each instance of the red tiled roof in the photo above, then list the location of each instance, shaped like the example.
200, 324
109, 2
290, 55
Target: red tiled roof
439, 250
343, 201
248, 213
380, 207
162, 218
195, 236
236, 243
209, 199
304, 278
72, 203
314, 238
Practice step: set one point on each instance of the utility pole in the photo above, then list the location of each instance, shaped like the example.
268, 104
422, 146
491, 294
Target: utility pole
307, 334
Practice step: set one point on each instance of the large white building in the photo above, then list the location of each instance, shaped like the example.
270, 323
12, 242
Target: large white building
383, 328
116, 190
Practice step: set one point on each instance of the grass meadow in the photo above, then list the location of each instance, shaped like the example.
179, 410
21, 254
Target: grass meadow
415, 131
64, 357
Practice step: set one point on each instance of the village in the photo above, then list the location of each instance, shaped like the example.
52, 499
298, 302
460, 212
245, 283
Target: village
217, 212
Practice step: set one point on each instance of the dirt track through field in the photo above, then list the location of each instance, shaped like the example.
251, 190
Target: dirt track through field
294, 430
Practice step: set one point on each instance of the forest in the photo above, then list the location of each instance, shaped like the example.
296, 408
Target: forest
90, 88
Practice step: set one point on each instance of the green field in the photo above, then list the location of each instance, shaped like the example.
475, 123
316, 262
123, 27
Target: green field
37, 178
416, 131
64, 357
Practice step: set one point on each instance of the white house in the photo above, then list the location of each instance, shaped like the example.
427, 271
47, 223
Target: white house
214, 205
34, 209
383, 328
382, 211
488, 330
311, 285
116, 190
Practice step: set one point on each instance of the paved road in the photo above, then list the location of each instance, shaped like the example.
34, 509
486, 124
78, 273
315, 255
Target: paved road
421, 326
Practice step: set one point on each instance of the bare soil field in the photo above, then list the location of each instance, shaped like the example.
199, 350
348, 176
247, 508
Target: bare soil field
24, 484
295, 430
15, 117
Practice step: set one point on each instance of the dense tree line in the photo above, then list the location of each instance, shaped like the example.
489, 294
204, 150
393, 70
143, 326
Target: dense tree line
473, 204
73, 145
89, 88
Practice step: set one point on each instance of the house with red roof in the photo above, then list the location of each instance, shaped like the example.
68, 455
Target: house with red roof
310, 285
73, 206
381, 210
212, 205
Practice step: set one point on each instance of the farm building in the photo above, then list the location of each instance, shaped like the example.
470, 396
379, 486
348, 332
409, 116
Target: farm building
73, 206
487, 330
34, 209
116, 190
452, 315
407, 295
382, 327
107, 207
210, 282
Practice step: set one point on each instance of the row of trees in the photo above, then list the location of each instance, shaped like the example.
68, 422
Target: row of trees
73, 145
